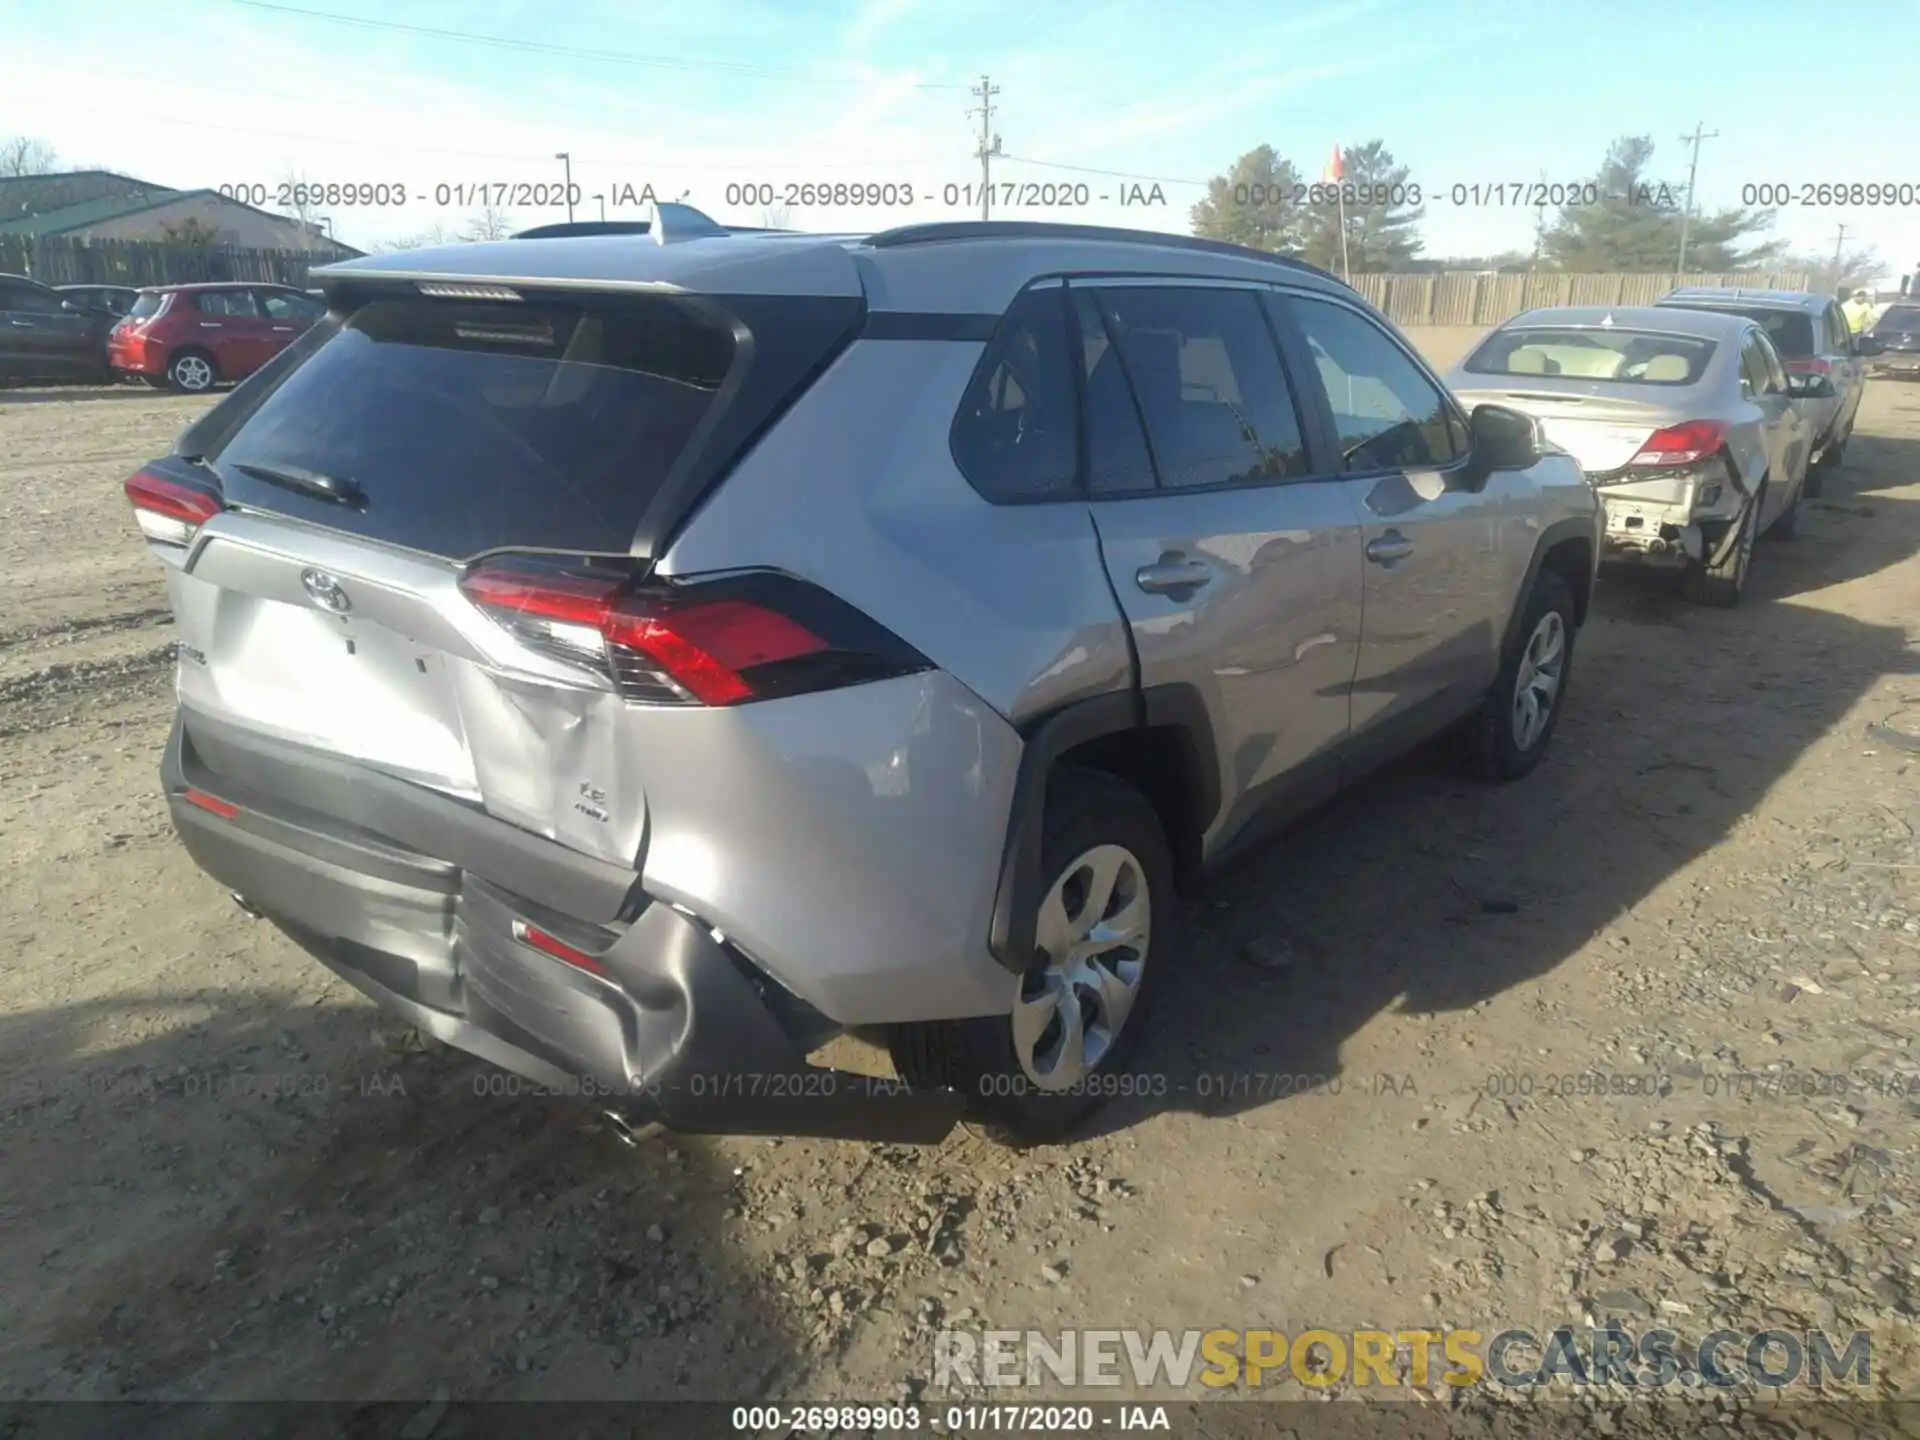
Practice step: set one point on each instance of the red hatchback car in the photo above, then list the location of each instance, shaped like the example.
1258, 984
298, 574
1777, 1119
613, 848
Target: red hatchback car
194, 337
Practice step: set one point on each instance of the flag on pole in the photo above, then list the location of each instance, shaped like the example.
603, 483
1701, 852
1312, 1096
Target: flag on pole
1336, 172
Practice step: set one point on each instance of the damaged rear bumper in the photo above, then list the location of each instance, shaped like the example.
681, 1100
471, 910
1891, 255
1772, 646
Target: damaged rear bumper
1667, 517
644, 1007
1648, 534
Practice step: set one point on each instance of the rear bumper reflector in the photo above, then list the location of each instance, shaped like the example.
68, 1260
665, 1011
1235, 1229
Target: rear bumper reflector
212, 804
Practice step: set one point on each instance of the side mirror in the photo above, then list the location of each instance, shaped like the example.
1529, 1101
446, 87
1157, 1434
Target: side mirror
1503, 439
1869, 345
70, 307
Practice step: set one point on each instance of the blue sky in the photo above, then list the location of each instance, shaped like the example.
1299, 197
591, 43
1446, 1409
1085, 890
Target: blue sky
722, 92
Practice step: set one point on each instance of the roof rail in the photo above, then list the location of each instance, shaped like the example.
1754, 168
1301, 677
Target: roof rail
935, 232
670, 224
567, 228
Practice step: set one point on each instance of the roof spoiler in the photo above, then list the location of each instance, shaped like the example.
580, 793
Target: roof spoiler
669, 225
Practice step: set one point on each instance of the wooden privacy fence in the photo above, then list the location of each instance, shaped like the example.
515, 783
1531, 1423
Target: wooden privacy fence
56, 260
1470, 298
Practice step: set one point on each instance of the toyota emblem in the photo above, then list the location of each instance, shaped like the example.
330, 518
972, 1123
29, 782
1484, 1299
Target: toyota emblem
325, 591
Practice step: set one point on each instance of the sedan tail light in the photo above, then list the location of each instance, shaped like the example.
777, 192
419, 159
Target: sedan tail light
722, 642
1683, 444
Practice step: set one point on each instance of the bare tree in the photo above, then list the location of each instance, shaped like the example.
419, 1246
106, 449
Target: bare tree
300, 206
488, 223
26, 155
435, 234
1857, 266
190, 231
774, 217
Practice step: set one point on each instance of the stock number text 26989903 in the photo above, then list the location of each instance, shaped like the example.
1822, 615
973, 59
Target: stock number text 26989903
890, 194
382, 194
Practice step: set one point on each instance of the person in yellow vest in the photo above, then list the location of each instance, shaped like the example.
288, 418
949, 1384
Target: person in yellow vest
1859, 312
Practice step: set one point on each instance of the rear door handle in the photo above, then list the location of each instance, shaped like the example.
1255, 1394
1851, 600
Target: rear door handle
1173, 574
210, 325
22, 324
283, 329
1389, 549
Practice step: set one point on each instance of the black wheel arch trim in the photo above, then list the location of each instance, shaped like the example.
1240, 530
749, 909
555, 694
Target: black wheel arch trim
1178, 707
1556, 534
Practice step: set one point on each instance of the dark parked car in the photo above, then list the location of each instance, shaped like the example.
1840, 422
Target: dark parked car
113, 300
1898, 331
193, 337
45, 336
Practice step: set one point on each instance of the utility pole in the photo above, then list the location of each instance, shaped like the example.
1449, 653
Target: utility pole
566, 157
989, 142
1686, 214
1839, 244
603, 205
1539, 225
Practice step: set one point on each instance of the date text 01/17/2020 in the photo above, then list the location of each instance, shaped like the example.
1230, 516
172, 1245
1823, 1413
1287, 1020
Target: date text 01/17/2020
888, 194
386, 194
793, 195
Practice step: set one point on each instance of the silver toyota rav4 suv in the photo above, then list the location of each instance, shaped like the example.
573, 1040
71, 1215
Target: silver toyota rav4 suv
639, 658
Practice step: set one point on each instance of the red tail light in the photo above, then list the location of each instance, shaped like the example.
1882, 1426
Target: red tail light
1810, 365
714, 643
169, 510
538, 939
1684, 444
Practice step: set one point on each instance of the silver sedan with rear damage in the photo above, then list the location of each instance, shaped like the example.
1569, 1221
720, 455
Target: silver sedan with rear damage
1686, 422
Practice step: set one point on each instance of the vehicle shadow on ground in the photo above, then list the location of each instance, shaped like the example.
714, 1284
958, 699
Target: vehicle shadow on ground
1419, 892
316, 1217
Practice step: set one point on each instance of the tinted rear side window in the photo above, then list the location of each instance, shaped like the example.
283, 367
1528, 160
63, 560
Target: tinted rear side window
472, 426
1209, 383
1014, 437
1118, 461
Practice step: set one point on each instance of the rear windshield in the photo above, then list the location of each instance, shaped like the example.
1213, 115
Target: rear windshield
1900, 320
1634, 357
1790, 330
471, 426
146, 303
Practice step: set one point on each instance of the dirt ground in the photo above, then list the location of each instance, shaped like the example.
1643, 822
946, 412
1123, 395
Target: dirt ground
220, 1178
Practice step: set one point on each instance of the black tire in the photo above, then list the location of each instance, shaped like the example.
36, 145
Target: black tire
1084, 809
1831, 460
192, 372
1722, 585
1786, 525
1493, 748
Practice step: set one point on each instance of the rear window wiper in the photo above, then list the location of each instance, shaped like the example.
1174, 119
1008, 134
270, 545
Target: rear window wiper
320, 485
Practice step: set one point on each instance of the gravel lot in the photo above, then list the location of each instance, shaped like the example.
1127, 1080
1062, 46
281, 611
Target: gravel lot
222, 1178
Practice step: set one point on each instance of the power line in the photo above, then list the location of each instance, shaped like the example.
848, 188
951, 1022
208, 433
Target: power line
576, 52
1115, 174
757, 168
